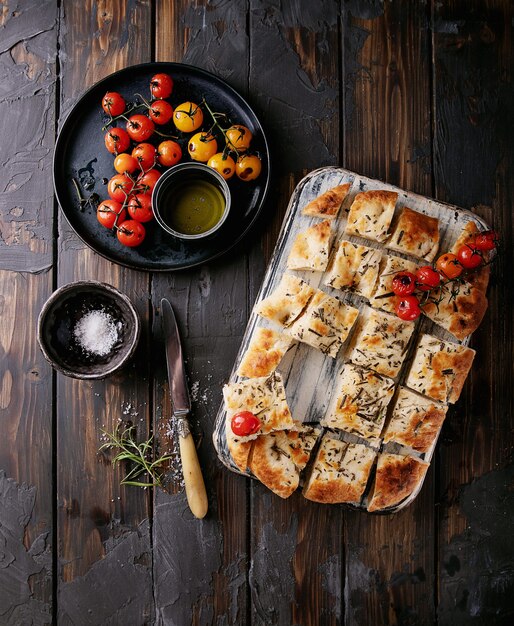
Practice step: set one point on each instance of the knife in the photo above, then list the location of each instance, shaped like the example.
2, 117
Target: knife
193, 479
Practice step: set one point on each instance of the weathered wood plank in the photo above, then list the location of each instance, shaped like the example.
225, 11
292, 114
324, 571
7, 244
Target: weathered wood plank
201, 578
101, 534
27, 94
389, 564
473, 58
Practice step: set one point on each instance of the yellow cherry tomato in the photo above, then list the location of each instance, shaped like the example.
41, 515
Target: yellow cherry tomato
202, 147
223, 163
188, 117
248, 167
238, 138
125, 163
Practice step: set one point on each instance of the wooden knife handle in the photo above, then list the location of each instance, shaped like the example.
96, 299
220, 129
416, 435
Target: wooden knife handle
193, 479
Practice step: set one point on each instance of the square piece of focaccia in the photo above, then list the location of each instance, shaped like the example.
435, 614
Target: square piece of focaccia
340, 472
266, 349
311, 248
458, 307
276, 459
371, 213
439, 368
328, 203
380, 342
397, 478
325, 324
389, 267
415, 421
287, 302
354, 267
361, 402
478, 278
264, 397
416, 234
238, 447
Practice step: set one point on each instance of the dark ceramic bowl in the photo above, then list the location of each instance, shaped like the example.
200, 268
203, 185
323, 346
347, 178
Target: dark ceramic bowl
58, 320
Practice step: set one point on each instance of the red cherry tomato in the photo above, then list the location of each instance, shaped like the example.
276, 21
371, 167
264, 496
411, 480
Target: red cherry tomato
404, 283
161, 112
146, 155
125, 163
469, 256
427, 278
161, 86
119, 187
245, 424
139, 207
169, 153
131, 233
140, 127
146, 182
117, 140
448, 265
408, 308
487, 240
113, 103
109, 212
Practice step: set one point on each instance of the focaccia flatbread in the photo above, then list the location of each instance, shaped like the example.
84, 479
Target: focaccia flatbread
380, 342
239, 449
397, 478
416, 234
389, 267
311, 248
415, 421
361, 402
328, 203
354, 267
325, 324
478, 278
264, 353
287, 302
340, 472
371, 213
439, 368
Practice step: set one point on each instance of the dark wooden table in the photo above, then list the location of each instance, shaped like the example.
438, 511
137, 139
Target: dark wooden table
419, 94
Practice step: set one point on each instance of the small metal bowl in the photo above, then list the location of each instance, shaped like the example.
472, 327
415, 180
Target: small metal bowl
179, 175
60, 315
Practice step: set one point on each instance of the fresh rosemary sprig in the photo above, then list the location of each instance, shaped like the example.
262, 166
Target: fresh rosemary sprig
138, 454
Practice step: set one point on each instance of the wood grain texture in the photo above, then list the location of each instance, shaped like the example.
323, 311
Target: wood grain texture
389, 564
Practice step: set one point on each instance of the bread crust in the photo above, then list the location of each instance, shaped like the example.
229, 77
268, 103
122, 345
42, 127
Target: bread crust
287, 302
371, 214
264, 353
328, 203
311, 248
416, 234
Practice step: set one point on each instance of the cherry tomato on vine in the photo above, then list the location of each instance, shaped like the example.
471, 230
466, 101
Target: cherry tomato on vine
469, 256
140, 127
202, 147
224, 164
161, 86
117, 140
139, 207
427, 278
119, 187
146, 182
408, 309
108, 211
113, 103
125, 163
245, 423
404, 283
160, 112
146, 155
131, 233
169, 153
248, 167
188, 117
487, 240
448, 265
238, 138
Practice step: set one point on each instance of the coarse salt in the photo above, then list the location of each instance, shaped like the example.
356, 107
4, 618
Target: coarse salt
96, 333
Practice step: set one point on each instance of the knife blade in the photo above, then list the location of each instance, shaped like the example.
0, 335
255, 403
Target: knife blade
181, 403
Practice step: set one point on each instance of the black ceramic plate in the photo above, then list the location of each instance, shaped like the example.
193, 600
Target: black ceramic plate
80, 154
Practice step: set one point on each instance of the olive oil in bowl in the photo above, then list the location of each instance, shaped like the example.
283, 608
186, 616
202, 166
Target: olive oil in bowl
191, 201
